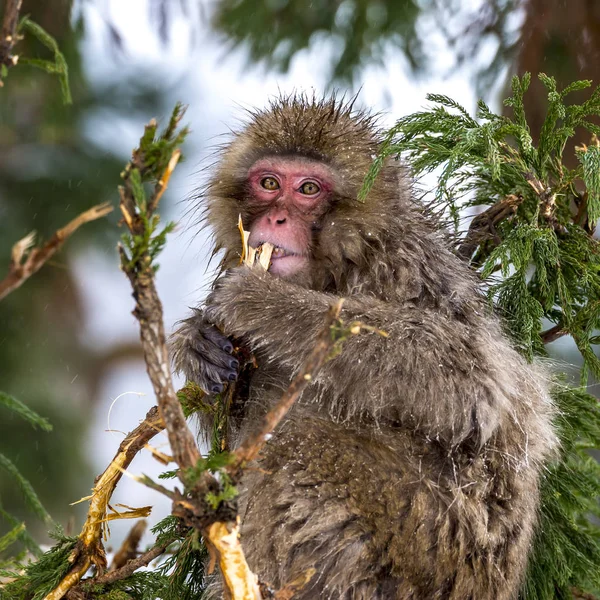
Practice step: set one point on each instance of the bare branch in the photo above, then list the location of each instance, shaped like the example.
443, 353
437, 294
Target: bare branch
547, 197
121, 573
129, 547
552, 334
24, 265
581, 595
482, 227
219, 528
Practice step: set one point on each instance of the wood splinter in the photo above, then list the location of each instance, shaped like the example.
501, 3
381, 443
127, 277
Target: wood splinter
254, 256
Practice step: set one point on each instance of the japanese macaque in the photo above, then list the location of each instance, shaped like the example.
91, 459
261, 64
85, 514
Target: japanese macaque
409, 468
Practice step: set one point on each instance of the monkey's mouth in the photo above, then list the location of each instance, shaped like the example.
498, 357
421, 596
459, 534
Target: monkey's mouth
279, 252
285, 262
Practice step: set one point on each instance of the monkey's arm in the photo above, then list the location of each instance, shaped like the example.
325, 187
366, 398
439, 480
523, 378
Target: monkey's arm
453, 379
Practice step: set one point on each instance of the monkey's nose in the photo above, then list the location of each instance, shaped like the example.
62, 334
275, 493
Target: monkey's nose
279, 219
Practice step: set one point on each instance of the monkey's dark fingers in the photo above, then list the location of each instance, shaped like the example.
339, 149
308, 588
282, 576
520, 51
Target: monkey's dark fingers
219, 339
213, 347
213, 379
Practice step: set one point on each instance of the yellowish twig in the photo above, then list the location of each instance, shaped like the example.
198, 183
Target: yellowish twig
89, 549
25, 260
162, 184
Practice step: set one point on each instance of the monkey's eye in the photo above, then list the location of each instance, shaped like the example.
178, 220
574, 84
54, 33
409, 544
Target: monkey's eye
310, 188
270, 183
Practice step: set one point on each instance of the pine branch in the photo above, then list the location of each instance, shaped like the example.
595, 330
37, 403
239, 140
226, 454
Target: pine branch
25, 260
219, 527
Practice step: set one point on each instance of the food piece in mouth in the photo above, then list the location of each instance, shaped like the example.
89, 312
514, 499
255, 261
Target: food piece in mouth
260, 255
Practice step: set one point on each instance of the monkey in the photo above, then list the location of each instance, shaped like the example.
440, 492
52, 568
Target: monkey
409, 469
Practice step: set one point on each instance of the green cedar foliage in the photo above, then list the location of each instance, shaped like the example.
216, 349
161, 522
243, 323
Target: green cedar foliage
534, 245
42, 576
17, 530
57, 66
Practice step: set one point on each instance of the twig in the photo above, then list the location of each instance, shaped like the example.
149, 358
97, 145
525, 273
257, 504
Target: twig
89, 549
581, 595
148, 311
581, 218
123, 572
150, 483
252, 445
483, 225
552, 334
9, 33
129, 548
24, 265
220, 530
546, 196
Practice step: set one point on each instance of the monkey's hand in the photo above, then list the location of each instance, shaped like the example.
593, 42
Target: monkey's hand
203, 354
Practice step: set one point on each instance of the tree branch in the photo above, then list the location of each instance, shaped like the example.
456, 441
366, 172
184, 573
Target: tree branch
9, 33
121, 573
129, 547
552, 334
483, 225
24, 265
547, 197
581, 595
89, 549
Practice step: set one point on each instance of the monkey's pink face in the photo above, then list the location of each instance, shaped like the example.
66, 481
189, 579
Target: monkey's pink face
289, 197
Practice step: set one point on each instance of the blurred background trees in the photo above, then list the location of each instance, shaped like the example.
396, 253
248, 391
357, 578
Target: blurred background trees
67, 343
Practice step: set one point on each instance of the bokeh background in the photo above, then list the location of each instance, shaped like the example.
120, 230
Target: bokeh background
68, 343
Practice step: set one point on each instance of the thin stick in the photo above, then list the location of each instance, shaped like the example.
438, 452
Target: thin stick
482, 226
123, 572
220, 532
24, 265
129, 548
252, 445
552, 334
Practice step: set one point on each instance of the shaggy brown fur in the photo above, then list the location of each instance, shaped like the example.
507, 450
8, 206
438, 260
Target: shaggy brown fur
409, 470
